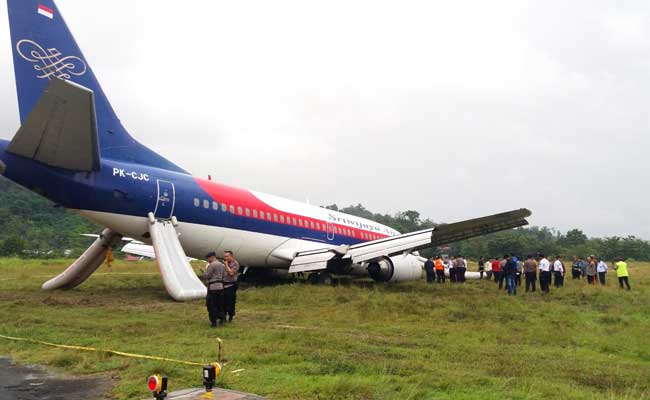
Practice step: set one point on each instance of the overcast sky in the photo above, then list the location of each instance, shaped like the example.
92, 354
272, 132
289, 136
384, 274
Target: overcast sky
455, 109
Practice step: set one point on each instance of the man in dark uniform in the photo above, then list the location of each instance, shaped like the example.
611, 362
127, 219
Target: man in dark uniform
230, 284
213, 278
428, 268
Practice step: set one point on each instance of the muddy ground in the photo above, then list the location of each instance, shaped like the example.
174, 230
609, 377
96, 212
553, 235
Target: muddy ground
19, 382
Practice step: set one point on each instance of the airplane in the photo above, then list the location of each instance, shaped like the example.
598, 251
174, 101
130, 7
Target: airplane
72, 149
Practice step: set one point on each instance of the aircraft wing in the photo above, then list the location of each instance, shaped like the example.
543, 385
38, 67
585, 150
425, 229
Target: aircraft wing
314, 260
144, 250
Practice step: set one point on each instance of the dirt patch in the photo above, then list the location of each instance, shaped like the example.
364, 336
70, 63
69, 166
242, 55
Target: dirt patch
19, 382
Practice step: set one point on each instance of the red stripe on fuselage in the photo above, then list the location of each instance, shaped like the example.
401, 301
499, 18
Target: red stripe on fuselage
236, 197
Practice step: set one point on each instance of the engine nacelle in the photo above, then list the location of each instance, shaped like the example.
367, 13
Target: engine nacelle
397, 268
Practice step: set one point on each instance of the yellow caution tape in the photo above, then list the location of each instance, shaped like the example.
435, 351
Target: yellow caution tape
107, 351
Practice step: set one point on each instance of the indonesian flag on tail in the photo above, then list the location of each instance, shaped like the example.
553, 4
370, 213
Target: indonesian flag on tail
45, 11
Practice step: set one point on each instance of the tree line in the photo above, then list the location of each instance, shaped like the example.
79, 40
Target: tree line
32, 226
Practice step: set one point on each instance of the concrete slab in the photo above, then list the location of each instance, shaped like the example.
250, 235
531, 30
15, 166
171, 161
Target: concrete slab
217, 394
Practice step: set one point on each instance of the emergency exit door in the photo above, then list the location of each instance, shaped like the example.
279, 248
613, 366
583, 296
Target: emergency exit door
330, 231
165, 200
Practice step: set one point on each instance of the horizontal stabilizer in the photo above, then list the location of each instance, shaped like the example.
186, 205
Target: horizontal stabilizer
61, 129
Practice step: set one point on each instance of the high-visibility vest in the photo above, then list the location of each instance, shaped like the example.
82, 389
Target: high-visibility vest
621, 269
439, 264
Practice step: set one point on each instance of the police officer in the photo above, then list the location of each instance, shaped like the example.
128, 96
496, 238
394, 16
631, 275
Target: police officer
213, 276
230, 284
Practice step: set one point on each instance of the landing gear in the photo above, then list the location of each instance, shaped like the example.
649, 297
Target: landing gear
323, 278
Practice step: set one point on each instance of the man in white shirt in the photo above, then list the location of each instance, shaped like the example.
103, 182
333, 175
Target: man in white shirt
602, 268
558, 270
544, 273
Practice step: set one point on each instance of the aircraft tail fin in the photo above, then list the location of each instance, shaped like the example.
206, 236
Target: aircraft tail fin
44, 49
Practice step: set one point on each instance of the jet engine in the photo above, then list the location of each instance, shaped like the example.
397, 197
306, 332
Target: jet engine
395, 269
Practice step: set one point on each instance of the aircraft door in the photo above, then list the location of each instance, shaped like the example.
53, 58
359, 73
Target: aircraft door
330, 231
165, 200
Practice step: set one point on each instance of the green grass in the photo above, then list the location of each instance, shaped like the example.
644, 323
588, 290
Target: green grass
377, 341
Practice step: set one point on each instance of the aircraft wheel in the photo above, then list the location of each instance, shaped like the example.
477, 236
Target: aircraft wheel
314, 278
325, 278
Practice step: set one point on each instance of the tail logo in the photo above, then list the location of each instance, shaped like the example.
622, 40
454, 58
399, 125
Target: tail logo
50, 63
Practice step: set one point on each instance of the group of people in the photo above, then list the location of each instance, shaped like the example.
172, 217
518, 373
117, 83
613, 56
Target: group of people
456, 266
221, 279
507, 271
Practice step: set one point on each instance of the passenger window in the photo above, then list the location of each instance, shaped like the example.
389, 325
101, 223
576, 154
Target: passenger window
248, 212
282, 219
275, 217
196, 202
261, 214
311, 223
318, 225
299, 222
293, 220
206, 204
239, 210
223, 207
232, 209
254, 213
268, 216
215, 206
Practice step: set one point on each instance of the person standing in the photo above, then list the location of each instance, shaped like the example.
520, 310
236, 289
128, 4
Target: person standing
230, 284
544, 274
601, 268
496, 270
558, 270
510, 270
428, 269
590, 270
213, 277
530, 271
451, 267
518, 269
502, 265
440, 269
481, 267
622, 273
488, 268
576, 268
461, 269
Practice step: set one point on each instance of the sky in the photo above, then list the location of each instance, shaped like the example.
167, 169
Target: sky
454, 109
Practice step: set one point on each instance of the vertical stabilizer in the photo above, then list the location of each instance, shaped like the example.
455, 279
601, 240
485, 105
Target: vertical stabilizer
44, 49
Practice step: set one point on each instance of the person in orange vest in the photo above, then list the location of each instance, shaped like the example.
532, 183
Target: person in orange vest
440, 269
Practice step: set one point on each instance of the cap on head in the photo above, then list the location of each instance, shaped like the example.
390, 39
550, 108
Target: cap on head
211, 254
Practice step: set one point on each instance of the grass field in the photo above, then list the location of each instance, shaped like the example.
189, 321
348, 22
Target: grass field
375, 341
